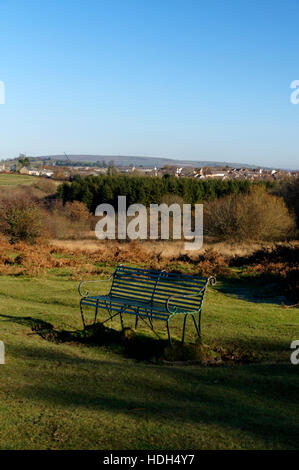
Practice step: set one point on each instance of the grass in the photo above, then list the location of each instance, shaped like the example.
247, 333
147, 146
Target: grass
16, 179
75, 396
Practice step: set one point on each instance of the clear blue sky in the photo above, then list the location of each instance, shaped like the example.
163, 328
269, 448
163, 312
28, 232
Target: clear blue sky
188, 79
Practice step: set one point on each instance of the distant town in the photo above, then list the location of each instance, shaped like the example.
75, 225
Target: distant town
67, 169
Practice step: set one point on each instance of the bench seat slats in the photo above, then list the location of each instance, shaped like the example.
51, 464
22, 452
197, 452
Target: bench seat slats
114, 303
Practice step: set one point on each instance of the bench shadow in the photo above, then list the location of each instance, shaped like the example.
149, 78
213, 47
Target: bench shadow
127, 342
136, 345
171, 396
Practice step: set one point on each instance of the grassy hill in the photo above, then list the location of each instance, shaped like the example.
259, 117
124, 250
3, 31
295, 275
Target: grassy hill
71, 395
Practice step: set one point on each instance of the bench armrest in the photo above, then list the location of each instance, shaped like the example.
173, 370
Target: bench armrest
211, 280
93, 280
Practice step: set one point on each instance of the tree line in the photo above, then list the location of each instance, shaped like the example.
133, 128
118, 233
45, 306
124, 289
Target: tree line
95, 190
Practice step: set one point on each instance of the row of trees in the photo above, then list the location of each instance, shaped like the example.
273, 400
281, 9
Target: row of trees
94, 190
234, 211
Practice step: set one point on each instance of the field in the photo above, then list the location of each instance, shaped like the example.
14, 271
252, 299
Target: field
16, 179
70, 395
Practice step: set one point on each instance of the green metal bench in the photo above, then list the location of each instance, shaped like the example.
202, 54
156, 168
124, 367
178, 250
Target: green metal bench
150, 295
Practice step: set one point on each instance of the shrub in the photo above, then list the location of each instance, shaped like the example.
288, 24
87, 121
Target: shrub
21, 219
45, 185
289, 190
77, 211
257, 215
71, 221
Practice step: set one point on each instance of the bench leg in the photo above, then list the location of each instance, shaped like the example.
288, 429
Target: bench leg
109, 310
136, 322
196, 326
96, 313
199, 323
184, 328
82, 316
121, 321
168, 332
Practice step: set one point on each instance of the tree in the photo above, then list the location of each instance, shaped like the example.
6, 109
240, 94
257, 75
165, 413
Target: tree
289, 190
21, 219
257, 215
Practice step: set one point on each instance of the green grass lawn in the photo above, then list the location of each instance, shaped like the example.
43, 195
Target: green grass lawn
74, 396
15, 179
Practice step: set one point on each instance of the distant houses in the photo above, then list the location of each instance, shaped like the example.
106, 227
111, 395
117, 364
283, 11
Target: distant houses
28, 171
48, 169
24, 171
34, 172
47, 173
224, 173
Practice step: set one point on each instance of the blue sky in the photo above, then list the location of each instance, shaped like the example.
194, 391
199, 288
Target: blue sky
202, 80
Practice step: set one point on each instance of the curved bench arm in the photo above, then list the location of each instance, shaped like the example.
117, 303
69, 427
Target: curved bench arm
211, 280
93, 280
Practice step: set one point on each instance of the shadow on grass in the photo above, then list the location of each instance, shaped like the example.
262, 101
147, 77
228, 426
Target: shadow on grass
253, 290
127, 342
253, 402
136, 345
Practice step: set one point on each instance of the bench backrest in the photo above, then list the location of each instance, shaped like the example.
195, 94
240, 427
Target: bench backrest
135, 283
157, 286
181, 285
